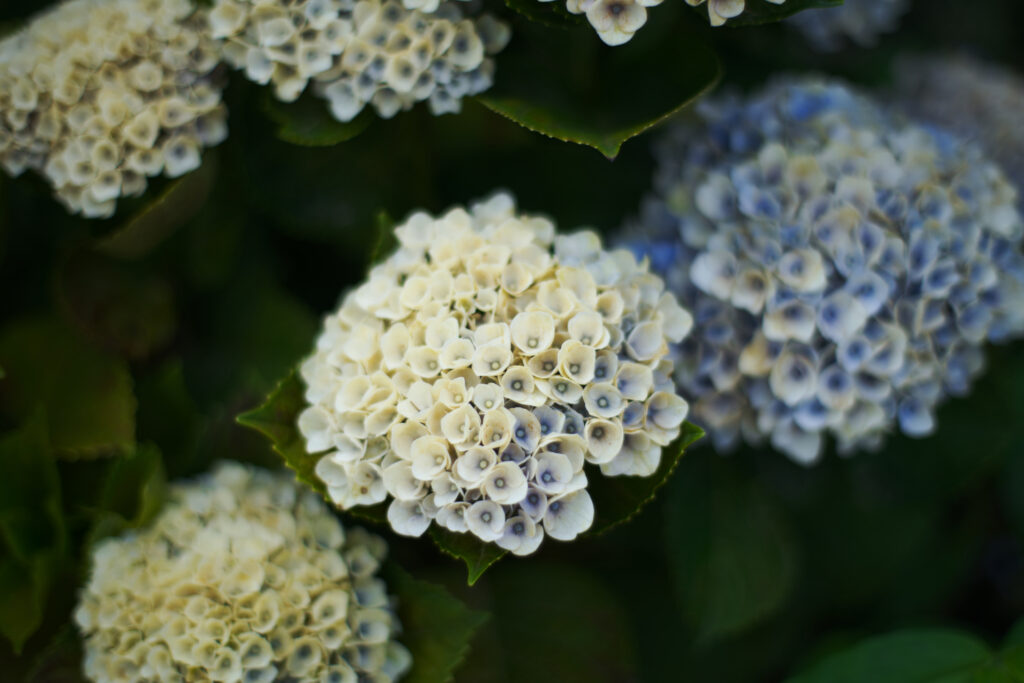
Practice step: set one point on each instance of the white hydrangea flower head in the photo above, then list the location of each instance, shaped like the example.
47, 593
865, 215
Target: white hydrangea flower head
860, 22
481, 366
244, 577
369, 52
978, 101
844, 267
99, 95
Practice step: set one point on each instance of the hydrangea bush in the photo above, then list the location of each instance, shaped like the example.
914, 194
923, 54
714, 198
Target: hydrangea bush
242, 577
816, 263
844, 268
479, 368
100, 95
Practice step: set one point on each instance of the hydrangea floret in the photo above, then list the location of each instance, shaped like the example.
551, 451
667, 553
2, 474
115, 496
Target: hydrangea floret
844, 267
244, 577
384, 54
860, 22
479, 368
99, 95
977, 100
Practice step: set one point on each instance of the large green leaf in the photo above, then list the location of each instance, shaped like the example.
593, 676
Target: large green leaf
918, 656
566, 85
86, 394
730, 546
436, 626
32, 529
308, 121
763, 12
618, 499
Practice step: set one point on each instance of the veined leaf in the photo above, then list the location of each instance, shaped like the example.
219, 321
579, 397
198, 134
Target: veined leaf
436, 626
568, 86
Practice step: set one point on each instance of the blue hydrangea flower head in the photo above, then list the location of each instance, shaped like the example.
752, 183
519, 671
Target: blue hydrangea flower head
844, 267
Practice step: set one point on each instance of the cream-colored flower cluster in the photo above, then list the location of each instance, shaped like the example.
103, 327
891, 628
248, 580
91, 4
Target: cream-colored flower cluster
479, 368
359, 53
243, 577
98, 95
617, 20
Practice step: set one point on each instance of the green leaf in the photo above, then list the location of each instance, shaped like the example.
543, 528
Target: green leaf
125, 310
277, 420
436, 627
21, 610
133, 493
565, 85
86, 394
180, 200
618, 499
730, 547
911, 656
32, 529
477, 555
763, 12
308, 121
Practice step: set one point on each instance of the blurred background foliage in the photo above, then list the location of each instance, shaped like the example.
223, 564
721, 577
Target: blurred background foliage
128, 346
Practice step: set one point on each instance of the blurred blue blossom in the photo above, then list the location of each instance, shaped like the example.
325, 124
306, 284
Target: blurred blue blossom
856, 21
844, 267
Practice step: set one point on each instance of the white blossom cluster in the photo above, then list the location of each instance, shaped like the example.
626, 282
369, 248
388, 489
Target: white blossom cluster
844, 268
242, 578
617, 20
978, 101
361, 52
99, 95
855, 21
477, 369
